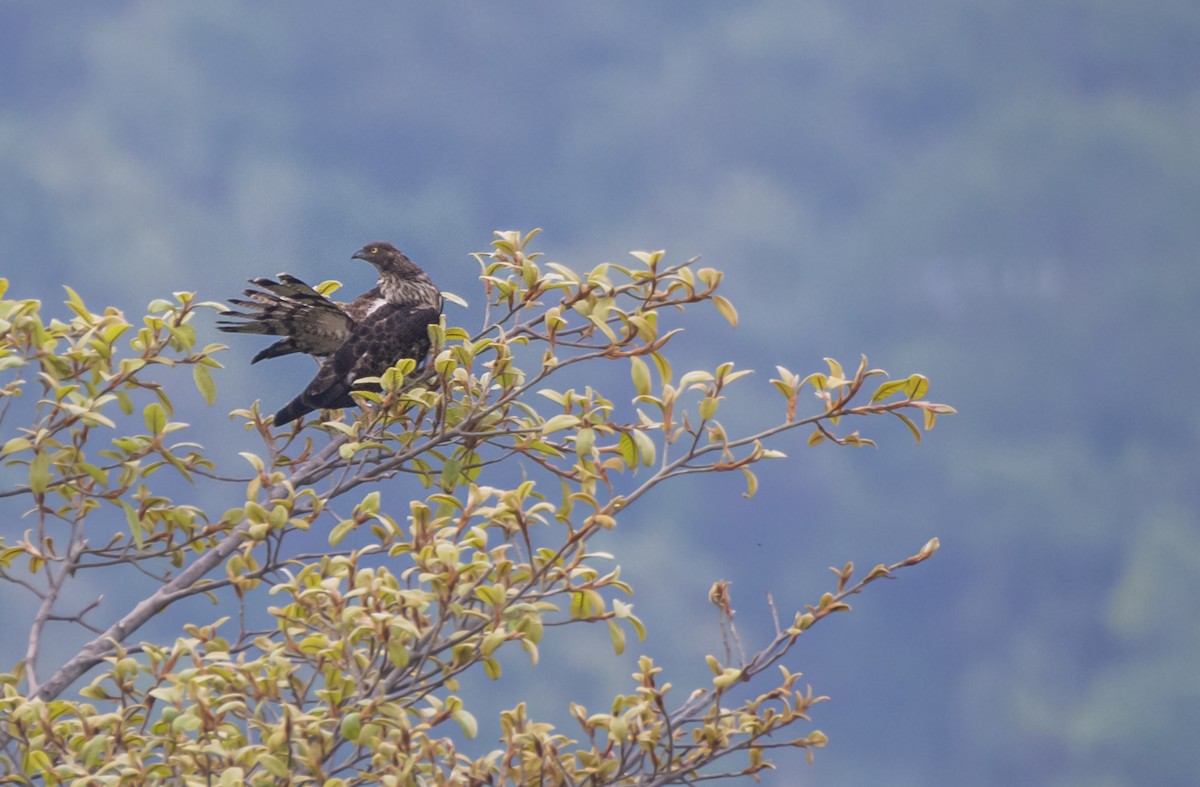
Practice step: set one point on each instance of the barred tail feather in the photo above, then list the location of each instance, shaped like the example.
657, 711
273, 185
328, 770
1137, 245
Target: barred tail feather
309, 322
292, 410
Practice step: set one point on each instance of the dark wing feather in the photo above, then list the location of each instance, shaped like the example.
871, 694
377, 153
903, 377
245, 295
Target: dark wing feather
310, 322
389, 333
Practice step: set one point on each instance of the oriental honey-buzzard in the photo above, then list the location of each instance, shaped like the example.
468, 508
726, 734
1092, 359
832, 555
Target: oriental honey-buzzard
361, 338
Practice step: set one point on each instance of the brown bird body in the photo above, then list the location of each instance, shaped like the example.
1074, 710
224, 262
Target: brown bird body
361, 338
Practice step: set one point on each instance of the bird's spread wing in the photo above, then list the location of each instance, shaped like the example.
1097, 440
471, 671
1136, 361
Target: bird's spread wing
310, 322
385, 335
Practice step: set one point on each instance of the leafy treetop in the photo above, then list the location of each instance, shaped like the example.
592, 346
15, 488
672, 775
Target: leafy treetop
357, 674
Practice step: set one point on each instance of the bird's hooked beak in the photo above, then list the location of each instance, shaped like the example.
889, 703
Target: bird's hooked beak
358, 255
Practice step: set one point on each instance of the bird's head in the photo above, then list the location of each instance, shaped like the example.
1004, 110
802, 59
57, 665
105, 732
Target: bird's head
376, 253
386, 258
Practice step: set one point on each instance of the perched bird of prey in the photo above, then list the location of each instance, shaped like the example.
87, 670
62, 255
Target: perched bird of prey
361, 338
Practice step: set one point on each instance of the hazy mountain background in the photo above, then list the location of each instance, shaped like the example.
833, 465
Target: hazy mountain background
1002, 196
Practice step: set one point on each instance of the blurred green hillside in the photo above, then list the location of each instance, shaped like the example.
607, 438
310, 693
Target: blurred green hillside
1003, 197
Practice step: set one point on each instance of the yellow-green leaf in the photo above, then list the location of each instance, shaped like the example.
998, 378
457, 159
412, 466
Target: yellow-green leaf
275, 766
467, 722
76, 303
155, 417
751, 482
916, 433
726, 309
340, 530
39, 473
627, 450
917, 386
889, 388
233, 777
351, 726
559, 422
727, 678
663, 365
204, 382
14, 445
641, 375
617, 636
328, 287
585, 440
645, 446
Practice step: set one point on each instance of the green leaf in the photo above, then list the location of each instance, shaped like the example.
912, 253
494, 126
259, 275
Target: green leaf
135, 524
663, 365
819, 381
726, 309
94, 750
455, 299
585, 440
638, 626
751, 482
392, 380
76, 303
97, 474
648, 258
275, 766
351, 726
727, 678
186, 722
204, 382
491, 642
627, 449
255, 461
93, 418
340, 530
39, 473
918, 386
467, 722
617, 636
155, 417
559, 422
645, 446
233, 777
585, 603
37, 761
370, 503
397, 653
490, 595
14, 445
916, 433
888, 389
641, 375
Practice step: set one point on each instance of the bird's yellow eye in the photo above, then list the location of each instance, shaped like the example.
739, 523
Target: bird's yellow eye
374, 249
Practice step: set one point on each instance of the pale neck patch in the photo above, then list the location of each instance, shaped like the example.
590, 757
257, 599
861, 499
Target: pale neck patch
408, 291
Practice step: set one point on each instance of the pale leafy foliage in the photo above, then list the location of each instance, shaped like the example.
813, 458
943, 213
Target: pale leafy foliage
356, 680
